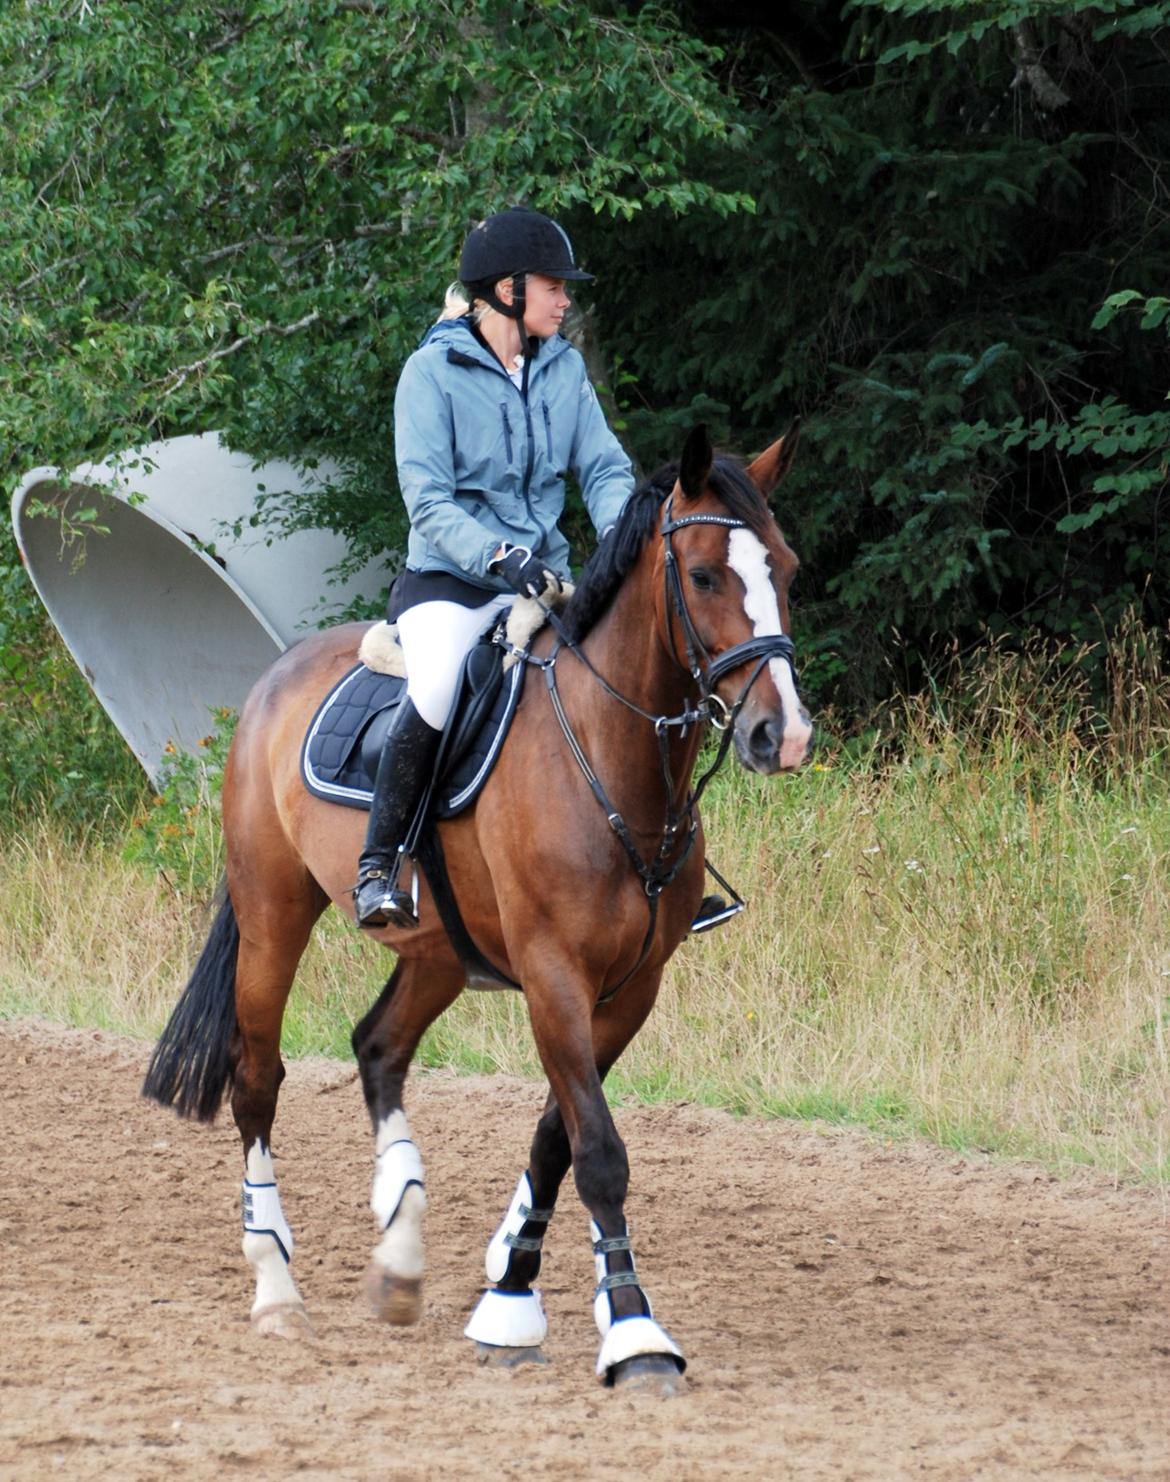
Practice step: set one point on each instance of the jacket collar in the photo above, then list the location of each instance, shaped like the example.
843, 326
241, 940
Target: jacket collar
463, 347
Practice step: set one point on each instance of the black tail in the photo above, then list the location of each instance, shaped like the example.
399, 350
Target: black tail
190, 1068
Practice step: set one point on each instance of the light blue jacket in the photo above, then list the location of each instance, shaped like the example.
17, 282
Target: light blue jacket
478, 466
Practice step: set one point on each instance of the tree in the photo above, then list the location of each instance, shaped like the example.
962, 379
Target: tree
946, 195
934, 229
243, 216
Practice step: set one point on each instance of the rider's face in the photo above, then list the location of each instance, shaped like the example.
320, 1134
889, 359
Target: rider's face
545, 303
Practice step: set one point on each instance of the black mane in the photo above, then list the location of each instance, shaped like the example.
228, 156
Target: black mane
609, 564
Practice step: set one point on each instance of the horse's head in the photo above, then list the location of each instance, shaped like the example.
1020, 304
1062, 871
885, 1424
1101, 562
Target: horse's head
728, 598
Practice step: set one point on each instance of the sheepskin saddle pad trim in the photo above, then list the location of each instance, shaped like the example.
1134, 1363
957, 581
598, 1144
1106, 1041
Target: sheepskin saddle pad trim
381, 651
339, 756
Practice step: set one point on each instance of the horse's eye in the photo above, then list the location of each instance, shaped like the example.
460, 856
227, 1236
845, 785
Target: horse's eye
702, 580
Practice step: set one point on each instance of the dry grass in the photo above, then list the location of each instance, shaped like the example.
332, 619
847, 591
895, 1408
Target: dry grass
966, 935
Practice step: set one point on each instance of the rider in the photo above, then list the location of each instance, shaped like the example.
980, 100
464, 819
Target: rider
491, 411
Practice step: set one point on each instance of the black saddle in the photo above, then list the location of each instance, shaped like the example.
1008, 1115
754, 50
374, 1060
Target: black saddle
339, 757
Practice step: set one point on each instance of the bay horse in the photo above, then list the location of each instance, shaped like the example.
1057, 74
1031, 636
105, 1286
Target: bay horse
681, 617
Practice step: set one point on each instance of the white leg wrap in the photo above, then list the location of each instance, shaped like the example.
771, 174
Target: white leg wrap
398, 1200
261, 1201
508, 1320
602, 1304
397, 1167
631, 1337
268, 1241
506, 1238
623, 1337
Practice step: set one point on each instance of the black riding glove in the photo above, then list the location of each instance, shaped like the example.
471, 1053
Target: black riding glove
524, 573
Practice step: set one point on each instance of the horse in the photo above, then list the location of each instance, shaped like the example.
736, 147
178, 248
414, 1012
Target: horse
577, 872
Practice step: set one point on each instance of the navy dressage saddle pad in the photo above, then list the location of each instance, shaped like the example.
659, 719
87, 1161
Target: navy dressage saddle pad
340, 753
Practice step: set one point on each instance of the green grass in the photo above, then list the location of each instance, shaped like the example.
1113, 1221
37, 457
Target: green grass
965, 937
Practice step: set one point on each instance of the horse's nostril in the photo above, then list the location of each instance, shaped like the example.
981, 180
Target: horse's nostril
766, 737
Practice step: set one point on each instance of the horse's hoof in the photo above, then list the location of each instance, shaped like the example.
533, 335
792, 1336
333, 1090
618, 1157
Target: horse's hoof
392, 1299
649, 1373
283, 1320
508, 1358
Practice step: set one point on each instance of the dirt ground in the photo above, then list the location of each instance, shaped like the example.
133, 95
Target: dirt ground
850, 1309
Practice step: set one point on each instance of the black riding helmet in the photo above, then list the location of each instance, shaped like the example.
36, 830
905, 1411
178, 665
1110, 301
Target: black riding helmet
511, 244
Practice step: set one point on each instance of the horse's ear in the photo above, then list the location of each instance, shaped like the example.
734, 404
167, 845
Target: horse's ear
774, 462
695, 466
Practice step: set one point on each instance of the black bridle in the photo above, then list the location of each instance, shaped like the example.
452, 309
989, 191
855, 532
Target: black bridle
763, 648
657, 873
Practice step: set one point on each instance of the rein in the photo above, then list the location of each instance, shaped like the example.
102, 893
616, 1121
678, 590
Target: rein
660, 871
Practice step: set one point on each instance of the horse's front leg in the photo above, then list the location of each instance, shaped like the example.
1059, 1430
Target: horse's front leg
384, 1043
509, 1324
634, 1345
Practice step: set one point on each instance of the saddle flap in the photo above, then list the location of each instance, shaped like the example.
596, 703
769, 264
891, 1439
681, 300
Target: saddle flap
476, 695
373, 737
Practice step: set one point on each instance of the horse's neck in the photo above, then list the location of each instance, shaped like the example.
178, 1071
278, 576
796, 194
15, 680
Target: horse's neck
626, 649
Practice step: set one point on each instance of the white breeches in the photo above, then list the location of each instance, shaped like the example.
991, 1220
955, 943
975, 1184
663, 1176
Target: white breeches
434, 638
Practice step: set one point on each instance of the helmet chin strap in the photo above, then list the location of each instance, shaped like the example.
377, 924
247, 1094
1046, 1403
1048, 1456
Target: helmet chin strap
514, 310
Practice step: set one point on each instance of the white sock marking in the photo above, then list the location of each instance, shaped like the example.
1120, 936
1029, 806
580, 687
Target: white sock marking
258, 1165
394, 1128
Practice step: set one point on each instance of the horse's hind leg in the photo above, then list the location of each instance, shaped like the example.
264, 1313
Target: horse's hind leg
384, 1043
273, 934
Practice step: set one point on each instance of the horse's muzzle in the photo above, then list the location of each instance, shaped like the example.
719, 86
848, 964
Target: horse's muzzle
773, 743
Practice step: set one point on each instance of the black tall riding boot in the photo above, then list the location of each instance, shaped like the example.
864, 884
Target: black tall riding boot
404, 769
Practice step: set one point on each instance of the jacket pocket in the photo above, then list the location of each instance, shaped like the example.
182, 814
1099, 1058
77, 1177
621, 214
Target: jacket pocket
548, 431
507, 429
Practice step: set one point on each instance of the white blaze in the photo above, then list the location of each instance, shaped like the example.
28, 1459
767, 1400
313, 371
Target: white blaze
748, 558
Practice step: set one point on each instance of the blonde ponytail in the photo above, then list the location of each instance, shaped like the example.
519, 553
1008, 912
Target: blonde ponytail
455, 303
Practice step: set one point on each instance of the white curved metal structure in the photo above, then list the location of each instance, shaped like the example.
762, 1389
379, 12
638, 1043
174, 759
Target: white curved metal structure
168, 616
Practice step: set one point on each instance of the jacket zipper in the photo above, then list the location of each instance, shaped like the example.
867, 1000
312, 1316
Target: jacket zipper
529, 451
547, 430
525, 487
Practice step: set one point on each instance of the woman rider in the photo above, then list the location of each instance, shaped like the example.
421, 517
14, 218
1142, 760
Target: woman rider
491, 411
